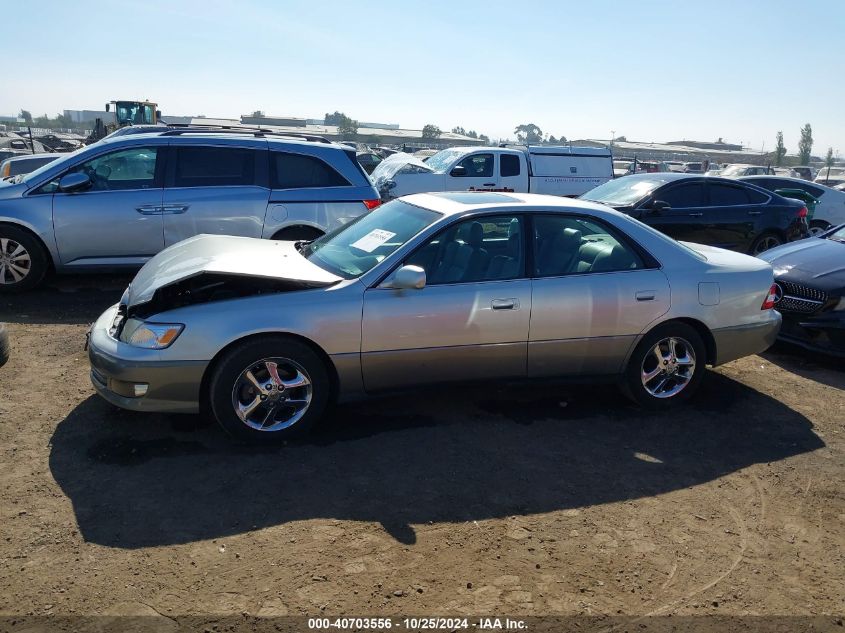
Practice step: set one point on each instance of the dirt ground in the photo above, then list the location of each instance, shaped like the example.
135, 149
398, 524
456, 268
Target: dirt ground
499, 499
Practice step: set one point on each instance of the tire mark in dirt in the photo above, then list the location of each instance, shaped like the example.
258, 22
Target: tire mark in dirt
743, 545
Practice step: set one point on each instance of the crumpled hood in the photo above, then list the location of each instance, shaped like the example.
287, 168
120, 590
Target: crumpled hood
391, 165
815, 262
223, 254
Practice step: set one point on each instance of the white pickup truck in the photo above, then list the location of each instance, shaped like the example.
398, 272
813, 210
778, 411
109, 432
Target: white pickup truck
559, 171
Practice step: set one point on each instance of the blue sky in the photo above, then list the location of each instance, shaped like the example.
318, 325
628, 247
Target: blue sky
650, 70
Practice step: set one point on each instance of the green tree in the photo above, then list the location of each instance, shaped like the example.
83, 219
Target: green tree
551, 139
805, 145
828, 160
431, 131
459, 130
26, 116
484, 138
780, 149
257, 114
472, 134
528, 133
64, 120
346, 126
43, 121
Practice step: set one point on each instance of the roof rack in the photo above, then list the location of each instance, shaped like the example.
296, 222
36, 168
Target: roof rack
177, 129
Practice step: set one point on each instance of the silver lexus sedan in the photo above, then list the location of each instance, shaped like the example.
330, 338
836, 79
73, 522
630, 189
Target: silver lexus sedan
428, 288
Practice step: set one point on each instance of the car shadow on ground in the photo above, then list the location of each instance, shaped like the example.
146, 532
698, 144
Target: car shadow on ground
67, 299
438, 456
815, 366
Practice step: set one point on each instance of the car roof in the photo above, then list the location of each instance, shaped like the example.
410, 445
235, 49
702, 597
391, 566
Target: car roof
26, 157
800, 181
232, 136
458, 202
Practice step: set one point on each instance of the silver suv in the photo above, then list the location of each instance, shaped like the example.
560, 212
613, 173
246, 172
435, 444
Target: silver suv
118, 202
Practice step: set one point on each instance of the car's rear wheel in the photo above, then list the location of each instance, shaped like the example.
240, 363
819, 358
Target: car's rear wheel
269, 389
23, 262
764, 242
666, 366
817, 227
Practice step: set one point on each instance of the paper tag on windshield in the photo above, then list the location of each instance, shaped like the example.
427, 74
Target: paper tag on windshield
372, 240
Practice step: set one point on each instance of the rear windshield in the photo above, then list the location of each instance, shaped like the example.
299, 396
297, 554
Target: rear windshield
624, 191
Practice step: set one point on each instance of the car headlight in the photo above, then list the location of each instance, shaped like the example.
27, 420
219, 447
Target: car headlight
150, 335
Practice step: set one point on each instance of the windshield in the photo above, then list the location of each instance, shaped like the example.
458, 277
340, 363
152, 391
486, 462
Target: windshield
838, 235
357, 247
624, 191
442, 159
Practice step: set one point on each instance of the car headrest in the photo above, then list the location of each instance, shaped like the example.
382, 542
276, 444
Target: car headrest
571, 238
476, 235
513, 228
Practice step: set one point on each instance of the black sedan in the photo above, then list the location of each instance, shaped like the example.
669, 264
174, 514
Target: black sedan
810, 291
707, 210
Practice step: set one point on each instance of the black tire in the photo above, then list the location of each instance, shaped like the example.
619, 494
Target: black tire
4, 345
641, 361
764, 242
228, 383
36, 267
296, 233
818, 226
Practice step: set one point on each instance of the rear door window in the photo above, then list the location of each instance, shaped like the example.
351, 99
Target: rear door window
299, 171
214, 166
509, 165
727, 196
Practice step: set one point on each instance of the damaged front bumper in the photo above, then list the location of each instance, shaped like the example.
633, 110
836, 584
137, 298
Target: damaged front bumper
823, 333
138, 379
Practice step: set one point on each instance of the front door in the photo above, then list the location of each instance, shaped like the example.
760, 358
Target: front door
469, 322
118, 219
477, 172
685, 217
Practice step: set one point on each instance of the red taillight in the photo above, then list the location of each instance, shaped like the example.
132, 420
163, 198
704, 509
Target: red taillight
769, 303
372, 204
802, 212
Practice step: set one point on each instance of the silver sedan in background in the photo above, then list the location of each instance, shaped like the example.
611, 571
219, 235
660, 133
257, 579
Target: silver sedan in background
429, 288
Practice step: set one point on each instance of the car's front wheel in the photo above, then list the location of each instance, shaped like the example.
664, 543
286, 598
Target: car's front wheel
269, 389
23, 262
666, 366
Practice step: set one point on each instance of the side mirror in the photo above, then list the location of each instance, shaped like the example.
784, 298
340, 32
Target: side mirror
460, 170
657, 206
408, 278
71, 183
158, 114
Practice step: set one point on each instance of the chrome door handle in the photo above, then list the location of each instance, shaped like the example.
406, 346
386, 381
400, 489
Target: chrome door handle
645, 295
174, 209
489, 184
149, 209
696, 215
505, 304
755, 213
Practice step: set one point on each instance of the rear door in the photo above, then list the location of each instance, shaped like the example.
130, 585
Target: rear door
735, 215
593, 293
215, 187
512, 173
118, 219
480, 173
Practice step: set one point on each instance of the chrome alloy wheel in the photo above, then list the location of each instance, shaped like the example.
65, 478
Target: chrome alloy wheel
668, 368
272, 394
768, 242
15, 262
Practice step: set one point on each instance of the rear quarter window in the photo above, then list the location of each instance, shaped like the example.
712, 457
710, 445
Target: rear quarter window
299, 171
